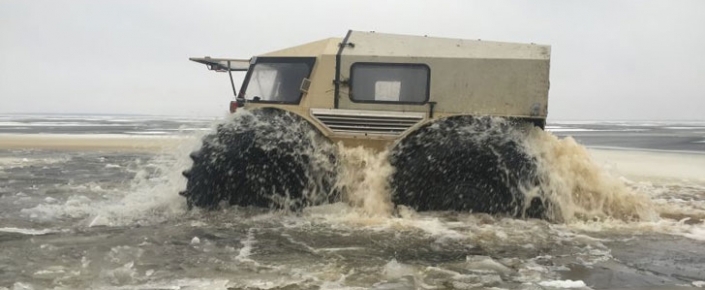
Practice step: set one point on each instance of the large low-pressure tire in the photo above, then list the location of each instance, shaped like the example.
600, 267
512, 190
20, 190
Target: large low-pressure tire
266, 158
465, 164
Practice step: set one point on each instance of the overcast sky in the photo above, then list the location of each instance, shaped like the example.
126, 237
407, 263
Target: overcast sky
610, 59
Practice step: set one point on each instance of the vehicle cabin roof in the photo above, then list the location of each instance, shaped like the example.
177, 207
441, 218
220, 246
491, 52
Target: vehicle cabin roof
406, 46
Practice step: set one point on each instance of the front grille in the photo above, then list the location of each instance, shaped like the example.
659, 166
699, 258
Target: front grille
366, 122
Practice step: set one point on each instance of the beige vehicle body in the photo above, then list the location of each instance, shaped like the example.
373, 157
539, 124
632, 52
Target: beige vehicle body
371, 89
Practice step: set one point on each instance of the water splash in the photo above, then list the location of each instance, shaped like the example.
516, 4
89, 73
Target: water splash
148, 197
578, 187
268, 157
364, 179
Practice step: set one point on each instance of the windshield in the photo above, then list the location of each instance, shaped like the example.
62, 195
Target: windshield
277, 79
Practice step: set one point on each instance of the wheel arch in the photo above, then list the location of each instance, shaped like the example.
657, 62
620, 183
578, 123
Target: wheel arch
297, 113
536, 122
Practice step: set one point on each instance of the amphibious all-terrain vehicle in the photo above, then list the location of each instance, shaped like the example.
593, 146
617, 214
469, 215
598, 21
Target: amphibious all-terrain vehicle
451, 112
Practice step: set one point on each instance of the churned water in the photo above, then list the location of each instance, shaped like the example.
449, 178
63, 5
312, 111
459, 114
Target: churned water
76, 215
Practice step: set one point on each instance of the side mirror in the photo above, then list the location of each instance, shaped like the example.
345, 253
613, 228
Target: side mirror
305, 84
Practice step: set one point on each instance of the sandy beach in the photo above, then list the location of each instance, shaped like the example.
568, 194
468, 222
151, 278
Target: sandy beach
83, 142
653, 166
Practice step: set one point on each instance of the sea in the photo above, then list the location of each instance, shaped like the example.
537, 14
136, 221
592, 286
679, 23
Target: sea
91, 202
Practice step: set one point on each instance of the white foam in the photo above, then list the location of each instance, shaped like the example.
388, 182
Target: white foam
98, 220
31, 232
487, 264
396, 270
695, 233
24, 161
149, 199
21, 286
247, 245
187, 283
683, 128
122, 275
432, 226
566, 284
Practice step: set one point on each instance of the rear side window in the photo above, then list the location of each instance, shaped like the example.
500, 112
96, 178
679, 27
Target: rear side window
389, 83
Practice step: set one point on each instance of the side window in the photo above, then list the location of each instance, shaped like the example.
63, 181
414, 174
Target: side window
380, 82
276, 79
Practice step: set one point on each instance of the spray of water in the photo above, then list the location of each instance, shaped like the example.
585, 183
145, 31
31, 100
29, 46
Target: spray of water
576, 187
364, 179
580, 188
148, 198
265, 158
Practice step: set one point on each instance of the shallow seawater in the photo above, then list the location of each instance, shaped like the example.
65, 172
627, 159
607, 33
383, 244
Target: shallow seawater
114, 220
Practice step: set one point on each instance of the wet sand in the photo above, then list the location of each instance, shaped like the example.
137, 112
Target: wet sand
81, 142
654, 166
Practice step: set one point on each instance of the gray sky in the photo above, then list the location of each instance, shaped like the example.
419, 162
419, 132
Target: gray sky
610, 59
